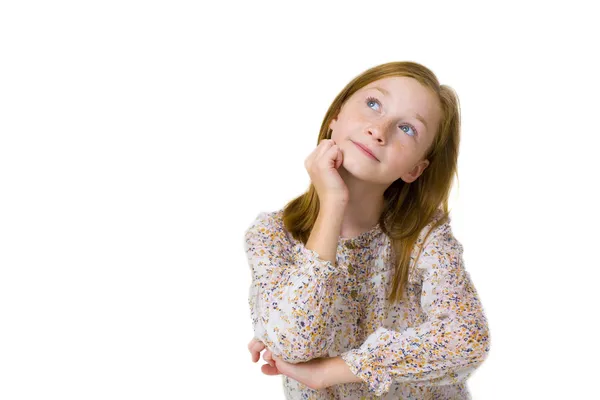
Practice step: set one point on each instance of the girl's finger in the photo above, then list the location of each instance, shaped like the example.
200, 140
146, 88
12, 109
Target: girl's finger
330, 156
316, 154
339, 158
253, 343
255, 350
269, 370
268, 357
322, 148
256, 346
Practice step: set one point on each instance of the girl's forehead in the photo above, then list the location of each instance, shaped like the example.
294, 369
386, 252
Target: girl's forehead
395, 85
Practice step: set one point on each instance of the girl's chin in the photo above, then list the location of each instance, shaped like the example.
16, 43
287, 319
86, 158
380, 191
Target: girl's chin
356, 171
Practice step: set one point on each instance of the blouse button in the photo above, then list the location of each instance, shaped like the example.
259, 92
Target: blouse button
354, 293
351, 269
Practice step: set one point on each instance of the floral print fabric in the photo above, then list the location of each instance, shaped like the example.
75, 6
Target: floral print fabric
303, 307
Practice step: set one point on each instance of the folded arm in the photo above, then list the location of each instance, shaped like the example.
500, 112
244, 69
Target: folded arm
290, 298
448, 346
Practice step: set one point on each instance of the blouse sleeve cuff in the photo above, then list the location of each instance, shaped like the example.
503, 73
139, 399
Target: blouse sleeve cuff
362, 363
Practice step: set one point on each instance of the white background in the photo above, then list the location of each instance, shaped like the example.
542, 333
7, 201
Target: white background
140, 139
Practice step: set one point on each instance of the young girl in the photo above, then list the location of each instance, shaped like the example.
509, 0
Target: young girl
359, 288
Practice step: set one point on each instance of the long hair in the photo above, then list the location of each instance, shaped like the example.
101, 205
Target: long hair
408, 207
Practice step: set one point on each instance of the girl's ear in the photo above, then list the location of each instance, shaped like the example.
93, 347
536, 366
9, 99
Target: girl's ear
332, 122
415, 172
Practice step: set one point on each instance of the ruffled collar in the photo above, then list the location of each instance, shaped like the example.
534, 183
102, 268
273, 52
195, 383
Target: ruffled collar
362, 240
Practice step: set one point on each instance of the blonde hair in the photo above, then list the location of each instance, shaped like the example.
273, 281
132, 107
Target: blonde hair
409, 207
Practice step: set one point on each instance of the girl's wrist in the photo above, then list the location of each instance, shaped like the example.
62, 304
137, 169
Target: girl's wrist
334, 205
337, 372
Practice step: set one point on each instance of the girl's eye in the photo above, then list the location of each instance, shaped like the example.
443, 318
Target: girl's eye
372, 100
412, 128
409, 126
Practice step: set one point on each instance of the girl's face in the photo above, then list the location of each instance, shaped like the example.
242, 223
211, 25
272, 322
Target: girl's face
396, 119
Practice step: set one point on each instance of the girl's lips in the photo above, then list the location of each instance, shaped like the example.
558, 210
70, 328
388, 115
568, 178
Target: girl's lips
365, 150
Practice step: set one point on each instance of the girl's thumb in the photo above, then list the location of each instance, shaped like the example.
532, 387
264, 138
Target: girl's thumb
339, 159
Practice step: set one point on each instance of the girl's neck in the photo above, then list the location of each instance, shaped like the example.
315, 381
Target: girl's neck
364, 207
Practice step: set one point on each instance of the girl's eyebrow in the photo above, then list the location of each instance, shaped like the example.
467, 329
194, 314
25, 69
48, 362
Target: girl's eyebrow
382, 90
386, 93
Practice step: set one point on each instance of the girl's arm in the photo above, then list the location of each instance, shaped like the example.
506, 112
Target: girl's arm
325, 234
448, 346
290, 296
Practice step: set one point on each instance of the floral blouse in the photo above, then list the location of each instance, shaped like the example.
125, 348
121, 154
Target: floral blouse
303, 307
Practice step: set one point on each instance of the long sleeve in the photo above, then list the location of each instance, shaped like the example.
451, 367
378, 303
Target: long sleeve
290, 303
452, 341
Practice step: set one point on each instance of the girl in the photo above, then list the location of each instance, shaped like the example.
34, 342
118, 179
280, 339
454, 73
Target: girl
359, 288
